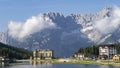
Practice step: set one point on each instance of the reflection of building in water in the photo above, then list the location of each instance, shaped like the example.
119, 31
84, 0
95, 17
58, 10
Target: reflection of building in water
42, 54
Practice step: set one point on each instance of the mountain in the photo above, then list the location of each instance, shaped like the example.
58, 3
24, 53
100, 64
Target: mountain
73, 31
3, 37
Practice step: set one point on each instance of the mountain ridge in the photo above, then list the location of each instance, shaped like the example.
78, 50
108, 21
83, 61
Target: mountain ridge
73, 31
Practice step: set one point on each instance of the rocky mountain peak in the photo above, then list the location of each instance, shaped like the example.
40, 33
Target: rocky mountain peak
75, 31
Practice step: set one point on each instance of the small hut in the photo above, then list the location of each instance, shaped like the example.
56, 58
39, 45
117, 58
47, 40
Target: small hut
116, 58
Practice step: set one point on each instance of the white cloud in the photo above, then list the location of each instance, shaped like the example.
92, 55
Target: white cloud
102, 28
87, 28
20, 30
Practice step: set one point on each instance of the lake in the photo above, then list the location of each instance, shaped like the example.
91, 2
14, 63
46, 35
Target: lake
61, 66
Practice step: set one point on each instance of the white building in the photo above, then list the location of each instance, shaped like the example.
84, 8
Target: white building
79, 56
107, 50
43, 54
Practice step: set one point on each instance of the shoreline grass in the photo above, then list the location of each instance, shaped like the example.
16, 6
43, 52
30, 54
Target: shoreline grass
103, 62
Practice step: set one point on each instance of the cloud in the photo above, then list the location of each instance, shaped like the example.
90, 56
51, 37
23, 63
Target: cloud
20, 30
103, 28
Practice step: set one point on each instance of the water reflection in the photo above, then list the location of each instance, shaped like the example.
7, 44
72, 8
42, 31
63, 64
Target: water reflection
29, 66
106, 66
34, 63
60, 66
3, 64
43, 66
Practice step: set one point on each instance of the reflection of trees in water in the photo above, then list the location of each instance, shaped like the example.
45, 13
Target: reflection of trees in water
97, 66
107, 66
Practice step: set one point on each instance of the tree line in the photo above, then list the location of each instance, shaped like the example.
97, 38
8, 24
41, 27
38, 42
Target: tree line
14, 52
94, 50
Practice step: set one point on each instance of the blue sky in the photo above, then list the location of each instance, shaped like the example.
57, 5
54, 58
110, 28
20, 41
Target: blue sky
20, 10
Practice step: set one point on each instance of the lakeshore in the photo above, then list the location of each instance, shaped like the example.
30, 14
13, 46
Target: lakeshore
78, 62
95, 62
73, 61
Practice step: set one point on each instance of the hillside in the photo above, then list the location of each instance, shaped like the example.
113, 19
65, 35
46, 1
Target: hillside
14, 52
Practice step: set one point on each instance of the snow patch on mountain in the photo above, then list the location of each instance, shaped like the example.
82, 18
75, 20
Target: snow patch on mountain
99, 28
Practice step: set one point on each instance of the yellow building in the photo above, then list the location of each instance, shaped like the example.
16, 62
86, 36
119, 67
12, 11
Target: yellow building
116, 58
42, 54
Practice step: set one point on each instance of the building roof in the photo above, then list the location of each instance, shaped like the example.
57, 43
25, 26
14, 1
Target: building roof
42, 50
117, 55
45, 50
108, 45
